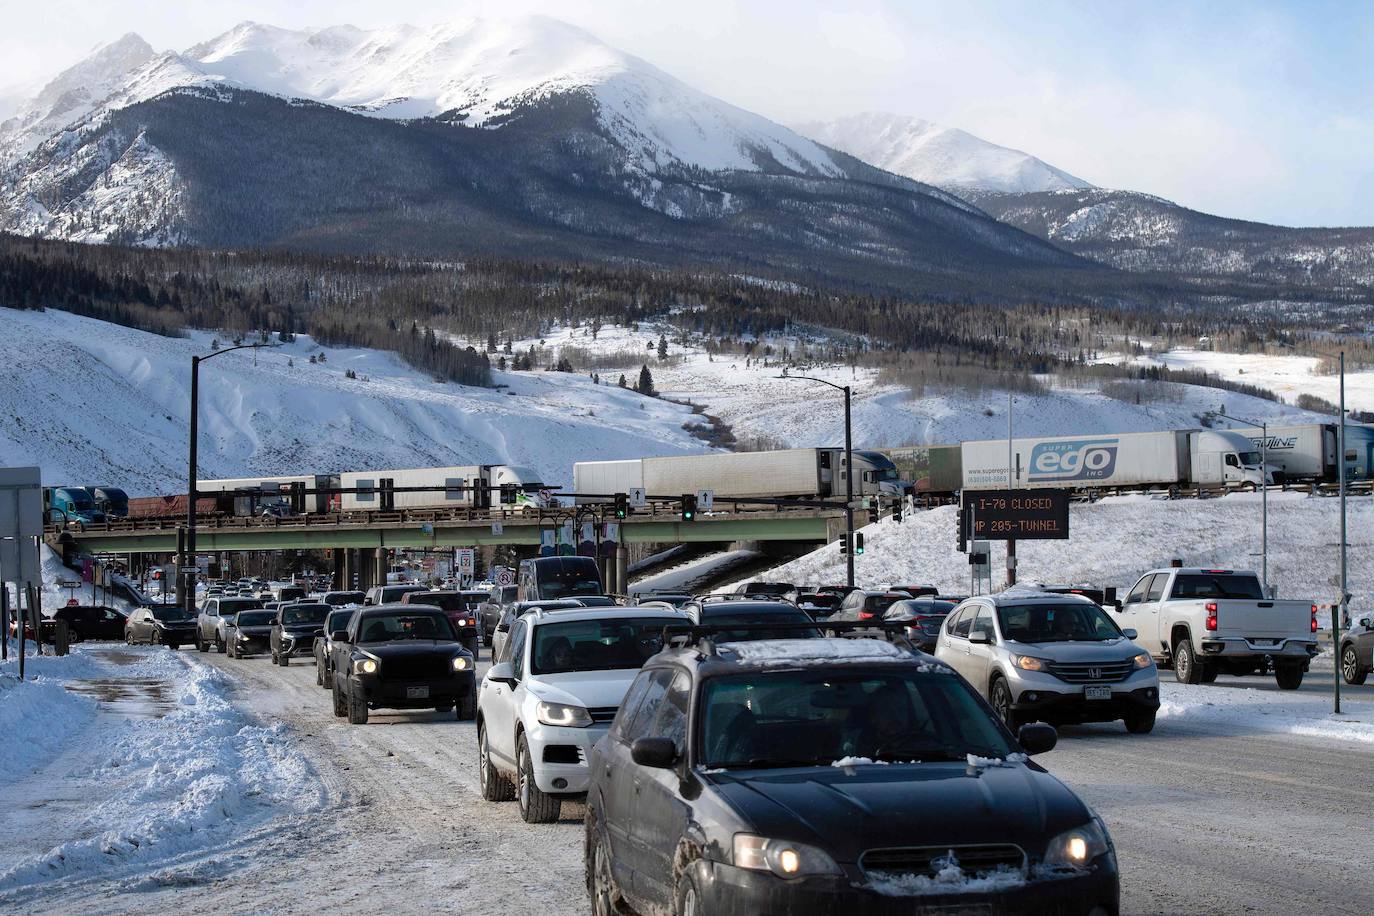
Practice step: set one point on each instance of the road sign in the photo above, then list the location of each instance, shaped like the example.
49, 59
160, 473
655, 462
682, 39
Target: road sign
467, 558
638, 498
497, 529
705, 500
21, 521
1017, 515
505, 577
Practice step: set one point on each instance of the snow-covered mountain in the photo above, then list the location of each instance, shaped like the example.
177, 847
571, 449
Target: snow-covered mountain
933, 154
526, 137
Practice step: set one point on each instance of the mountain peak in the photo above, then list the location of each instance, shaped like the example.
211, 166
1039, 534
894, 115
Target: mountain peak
946, 157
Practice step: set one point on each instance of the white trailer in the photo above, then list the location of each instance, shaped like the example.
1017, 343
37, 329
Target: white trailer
277, 490
813, 472
1306, 452
377, 489
1202, 457
530, 490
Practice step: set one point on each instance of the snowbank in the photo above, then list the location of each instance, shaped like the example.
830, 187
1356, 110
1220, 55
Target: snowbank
1223, 709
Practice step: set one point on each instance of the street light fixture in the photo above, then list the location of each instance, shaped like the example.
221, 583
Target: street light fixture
1264, 498
186, 574
848, 471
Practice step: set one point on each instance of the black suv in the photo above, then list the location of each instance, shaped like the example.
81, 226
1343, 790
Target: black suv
295, 629
401, 656
830, 776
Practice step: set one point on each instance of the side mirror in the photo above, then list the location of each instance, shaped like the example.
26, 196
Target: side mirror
653, 752
503, 628
276, 621
501, 673
1130, 633
339, 635
1109, 596
980, 637
367, 602
1037, 738
1364, 622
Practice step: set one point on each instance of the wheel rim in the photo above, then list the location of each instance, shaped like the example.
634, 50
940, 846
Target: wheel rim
1349, 667
524, 780
689, 901
1183, 663
1001, 701
482, 763
601, 878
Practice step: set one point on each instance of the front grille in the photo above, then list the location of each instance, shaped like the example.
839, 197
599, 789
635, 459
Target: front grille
602, 715
416, 667
1092, 672
929, 860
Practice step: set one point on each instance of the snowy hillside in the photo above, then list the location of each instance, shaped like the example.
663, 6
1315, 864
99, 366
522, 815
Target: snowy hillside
942, 156
1114, 540
756, 402
474, 71
92, 403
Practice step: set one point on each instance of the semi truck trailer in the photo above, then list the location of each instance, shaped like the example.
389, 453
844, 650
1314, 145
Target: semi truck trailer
1308, 451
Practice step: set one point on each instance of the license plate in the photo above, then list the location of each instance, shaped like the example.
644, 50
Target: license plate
417, 693
1097, 693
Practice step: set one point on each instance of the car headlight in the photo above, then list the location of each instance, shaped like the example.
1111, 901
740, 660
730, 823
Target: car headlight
784, 859
1077, 847
1029, 663
1143, 660
365, 666
560, 714
461, 663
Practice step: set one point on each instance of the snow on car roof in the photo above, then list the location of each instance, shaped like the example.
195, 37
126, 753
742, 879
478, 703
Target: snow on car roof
814, 651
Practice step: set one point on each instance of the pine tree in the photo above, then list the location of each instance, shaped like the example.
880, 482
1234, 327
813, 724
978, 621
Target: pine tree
645, 385
624, 383
662, 347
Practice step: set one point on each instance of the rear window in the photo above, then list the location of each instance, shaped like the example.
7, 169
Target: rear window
234, 605
444, 601
340, 598
304, 613
568, 580
254, 618
725, 617
1215, 585
880, 603
171, 614
405, 625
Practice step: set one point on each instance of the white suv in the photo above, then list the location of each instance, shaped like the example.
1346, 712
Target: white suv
552, 694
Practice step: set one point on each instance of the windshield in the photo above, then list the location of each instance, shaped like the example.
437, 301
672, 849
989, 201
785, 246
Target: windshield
905, 609
171, 614
879, 603
255, 618
392, 627
767, 588
444, 601
394, 592
1055, 623
767, 720
746, 618
882, 474
1250, 459
294, 591
338, 598
569, 581
596, 645
337, 620
303, 613
1216, 585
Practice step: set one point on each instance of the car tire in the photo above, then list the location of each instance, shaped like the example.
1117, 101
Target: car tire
340, 707
1186, 669
687, 901
1207, 672
467, 707
535, 806
999, 695
1351, 672
319, 674
605, 896
219, 644
174, 646
495, 786
284, 660
1288, 677
1141, 723
357, 708
201, 644
155, 639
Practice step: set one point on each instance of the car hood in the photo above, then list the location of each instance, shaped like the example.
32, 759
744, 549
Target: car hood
1107, 651
592, 689
411, 648
846, 810
265, 630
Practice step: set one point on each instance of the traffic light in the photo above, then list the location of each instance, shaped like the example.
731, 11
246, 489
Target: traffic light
689, 506
897, 509
622, 505
844, 545
509, 493
874, 511
858, 543
962, 535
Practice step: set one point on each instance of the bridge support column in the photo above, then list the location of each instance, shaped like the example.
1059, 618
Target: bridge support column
622, 578
336, 576
381, 563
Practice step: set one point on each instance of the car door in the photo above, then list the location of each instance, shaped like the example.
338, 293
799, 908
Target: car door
617, 780
137, 630
1133, 605
979, 658
108, 625
954, 638
627, 777
660, 813
1150, 620
501, 710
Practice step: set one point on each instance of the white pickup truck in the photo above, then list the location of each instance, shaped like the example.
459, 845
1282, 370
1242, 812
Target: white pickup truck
1207, 621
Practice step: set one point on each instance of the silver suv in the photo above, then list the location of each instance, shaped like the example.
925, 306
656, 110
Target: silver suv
1055, 658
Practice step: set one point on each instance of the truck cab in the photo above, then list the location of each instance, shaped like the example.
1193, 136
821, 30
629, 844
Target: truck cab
1227, 458
65, 505
876, 474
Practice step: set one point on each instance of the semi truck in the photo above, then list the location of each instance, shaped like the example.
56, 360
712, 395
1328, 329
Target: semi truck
1308, 451
930, 468
798, 472
71, 505
1199, 457
279, 495
376, 490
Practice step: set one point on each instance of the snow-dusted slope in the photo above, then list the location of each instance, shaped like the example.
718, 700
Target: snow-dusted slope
942, 156
476, 71
92, 402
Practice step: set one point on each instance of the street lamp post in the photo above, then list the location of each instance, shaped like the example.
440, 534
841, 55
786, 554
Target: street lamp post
1264, 498
848, 473
186, 574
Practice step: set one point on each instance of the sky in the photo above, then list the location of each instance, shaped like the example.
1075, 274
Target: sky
1259, 110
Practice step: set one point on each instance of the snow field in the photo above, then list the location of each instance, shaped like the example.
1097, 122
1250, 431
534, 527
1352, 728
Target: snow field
158, 794
1227, 709
1115, 540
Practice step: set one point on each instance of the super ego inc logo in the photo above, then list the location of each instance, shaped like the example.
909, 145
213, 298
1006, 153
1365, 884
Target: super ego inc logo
1082, 459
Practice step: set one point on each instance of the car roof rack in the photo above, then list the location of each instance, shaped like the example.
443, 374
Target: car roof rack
682, 636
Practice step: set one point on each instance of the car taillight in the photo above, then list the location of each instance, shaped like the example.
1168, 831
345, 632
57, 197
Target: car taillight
1314, 618
867, 615
1211, 615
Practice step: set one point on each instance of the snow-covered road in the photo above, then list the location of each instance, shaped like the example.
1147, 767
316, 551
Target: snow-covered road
1243, 799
